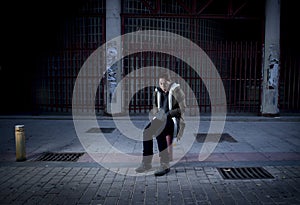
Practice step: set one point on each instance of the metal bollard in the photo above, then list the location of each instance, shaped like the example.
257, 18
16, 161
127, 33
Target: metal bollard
20, 143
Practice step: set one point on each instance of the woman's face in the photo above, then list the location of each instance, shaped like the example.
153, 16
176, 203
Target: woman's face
164, 84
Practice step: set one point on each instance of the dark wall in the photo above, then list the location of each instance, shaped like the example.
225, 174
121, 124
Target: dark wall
28, 31
289, 27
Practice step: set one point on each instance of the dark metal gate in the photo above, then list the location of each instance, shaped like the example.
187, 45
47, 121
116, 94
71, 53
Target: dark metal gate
237, 60
80, 36
238, 63
289, 89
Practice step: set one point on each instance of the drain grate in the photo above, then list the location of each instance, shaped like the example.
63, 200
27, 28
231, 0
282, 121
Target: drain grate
101, 130
225, 137
67, 157
244, 173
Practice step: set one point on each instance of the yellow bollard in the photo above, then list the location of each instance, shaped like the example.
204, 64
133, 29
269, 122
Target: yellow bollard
20, 143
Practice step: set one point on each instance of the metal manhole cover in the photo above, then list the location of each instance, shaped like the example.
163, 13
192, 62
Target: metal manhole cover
225, 137
67, 157
101, 130
244, 173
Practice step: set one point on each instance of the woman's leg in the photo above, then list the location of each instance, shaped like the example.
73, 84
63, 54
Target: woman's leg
162, 141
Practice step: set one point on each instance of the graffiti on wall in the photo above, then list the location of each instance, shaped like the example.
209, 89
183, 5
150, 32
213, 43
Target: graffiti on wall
273, 69
111, 70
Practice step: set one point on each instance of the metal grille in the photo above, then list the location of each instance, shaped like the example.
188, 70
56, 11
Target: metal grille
69, 157
244, 173
101, 130
289, 89
225, 137
81, 35
238, 64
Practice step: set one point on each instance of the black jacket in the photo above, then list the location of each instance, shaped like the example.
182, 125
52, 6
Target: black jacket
177, 105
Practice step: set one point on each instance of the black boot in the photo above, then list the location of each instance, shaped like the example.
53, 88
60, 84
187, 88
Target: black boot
163, 169
164, 164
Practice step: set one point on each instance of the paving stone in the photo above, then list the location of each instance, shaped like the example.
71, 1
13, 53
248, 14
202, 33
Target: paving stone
188, 182
248, 189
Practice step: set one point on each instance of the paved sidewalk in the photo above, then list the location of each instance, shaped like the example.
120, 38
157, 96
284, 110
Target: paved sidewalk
65, 183
270, 143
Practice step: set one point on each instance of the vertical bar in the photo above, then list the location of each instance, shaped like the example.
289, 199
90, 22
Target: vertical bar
71, 74
293, 66
65, 103
298, 86
51, 95
240, 55
134, 84
49, 84
283, 82
102, 57
138, 93
81, 91
221, 53
61, 79
245, 73
229, 50
55, 84
235, 77
93, 37
289, 84
143, 80
68, 90
200, 87
256, 101
250, 77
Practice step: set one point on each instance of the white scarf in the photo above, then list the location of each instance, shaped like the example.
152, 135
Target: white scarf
172, 88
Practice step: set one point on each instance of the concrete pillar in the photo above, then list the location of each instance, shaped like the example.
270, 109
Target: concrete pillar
113, 71
271, 59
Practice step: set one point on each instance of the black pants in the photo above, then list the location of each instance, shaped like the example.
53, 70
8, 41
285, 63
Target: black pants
160, 130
